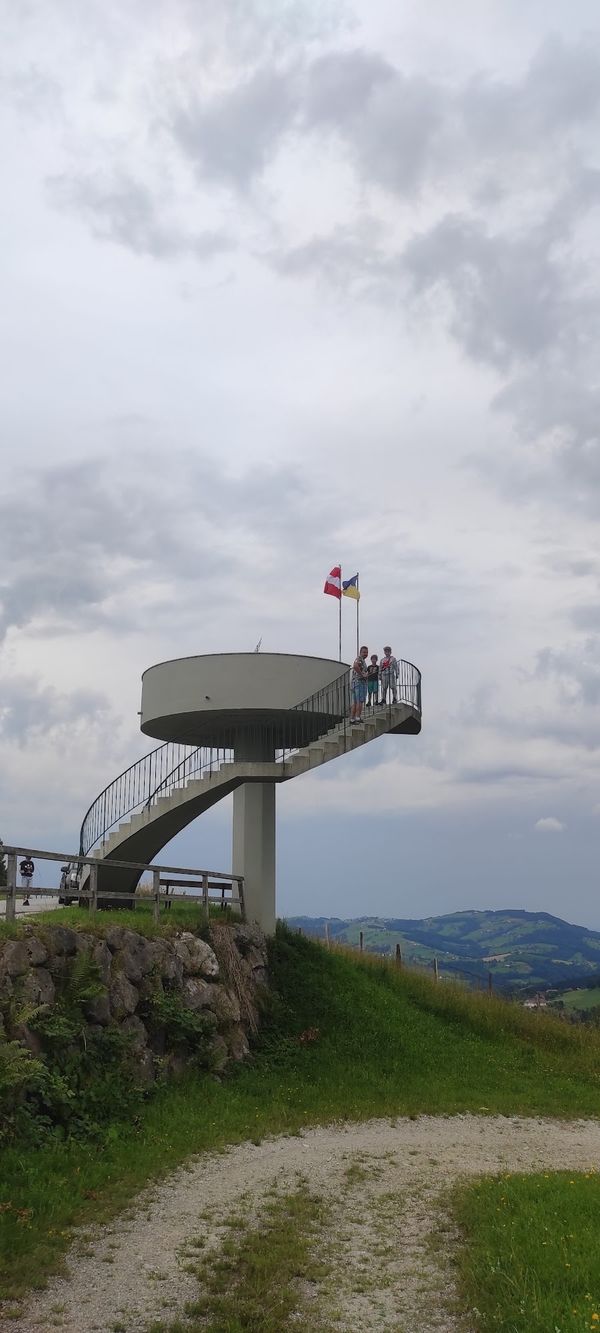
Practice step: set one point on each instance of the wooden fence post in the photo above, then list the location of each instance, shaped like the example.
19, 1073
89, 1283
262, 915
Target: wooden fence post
93, 898
398, 956
205, 896
361, 941
327, 934
435, 969
156, 888
11, 886
490, 983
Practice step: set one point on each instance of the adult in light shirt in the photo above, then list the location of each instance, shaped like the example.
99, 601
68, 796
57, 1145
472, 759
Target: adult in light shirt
358, 685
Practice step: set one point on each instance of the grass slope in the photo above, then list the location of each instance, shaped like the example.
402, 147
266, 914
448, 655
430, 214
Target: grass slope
345, 1039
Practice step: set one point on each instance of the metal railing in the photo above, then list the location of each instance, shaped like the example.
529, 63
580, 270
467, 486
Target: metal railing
164, 878
332, 704
171, 766
128, 791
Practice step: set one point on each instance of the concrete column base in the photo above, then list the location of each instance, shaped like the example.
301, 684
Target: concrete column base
254, 850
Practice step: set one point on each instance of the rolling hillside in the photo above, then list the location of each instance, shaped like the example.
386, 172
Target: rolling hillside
521, 949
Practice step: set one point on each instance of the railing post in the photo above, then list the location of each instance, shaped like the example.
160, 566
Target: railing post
205, 896
11, 886
490, 983
398, 956
435, 970
361, 941
93, 898
327, 940
156, 887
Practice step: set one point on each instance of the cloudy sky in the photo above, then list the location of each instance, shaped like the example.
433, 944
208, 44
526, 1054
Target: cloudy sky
286, 283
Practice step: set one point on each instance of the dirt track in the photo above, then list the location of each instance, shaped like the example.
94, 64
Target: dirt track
384, 1179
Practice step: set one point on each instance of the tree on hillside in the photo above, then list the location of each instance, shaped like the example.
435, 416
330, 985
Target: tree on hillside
2, 865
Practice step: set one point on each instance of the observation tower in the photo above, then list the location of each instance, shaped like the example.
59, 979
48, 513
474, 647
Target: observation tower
241, 723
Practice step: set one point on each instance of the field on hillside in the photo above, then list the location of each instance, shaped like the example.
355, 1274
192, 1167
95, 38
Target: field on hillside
531, 950
342, 1038
581, 999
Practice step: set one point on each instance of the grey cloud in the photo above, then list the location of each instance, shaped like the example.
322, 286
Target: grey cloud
577, 671
248, 31
386, 120
404, 129
32, 93
570, 718
587, 616
556, 399
29, 710
79, 551
121, 209
231, 138
340, 84
573, 564
509, 294
393, 141
492, 773
558, 92
348, 259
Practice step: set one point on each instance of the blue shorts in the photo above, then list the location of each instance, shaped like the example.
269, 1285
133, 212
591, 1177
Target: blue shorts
359, 691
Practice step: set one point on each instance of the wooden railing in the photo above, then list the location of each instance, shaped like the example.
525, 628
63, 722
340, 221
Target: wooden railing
216, 886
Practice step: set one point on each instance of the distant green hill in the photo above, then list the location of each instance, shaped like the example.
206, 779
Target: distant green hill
520, 949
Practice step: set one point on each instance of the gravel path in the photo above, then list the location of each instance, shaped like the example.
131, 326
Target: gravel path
384, 1179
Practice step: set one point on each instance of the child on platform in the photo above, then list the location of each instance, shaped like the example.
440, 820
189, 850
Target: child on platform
373, 681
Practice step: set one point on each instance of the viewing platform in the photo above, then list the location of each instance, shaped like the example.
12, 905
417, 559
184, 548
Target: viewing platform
235, 723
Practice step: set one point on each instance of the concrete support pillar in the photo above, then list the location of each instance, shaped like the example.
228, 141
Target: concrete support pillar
254, 850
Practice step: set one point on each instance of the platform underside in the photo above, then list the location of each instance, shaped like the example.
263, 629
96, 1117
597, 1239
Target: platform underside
281, 728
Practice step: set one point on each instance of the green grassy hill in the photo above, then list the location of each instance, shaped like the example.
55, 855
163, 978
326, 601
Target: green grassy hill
520, 949
342, 1038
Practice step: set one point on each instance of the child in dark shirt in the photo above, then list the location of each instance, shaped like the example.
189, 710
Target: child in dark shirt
373, 681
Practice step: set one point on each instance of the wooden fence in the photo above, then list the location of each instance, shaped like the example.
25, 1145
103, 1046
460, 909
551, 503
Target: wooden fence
216, 886
481, 980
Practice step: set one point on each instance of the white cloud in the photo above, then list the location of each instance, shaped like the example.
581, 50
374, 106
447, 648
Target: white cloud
549, 825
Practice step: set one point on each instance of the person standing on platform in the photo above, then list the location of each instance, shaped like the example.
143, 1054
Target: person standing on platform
373, 681
358, 685
389, 676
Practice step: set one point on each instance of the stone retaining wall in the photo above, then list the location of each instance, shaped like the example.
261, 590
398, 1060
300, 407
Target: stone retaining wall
219, 980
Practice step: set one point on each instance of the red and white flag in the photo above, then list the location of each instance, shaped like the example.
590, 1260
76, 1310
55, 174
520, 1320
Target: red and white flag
333, 582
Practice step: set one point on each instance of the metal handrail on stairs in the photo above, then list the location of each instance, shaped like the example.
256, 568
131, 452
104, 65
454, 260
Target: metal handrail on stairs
129, 790
170, 766
333, 703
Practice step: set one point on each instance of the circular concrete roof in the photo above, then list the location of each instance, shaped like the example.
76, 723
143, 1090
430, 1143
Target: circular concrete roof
243, 699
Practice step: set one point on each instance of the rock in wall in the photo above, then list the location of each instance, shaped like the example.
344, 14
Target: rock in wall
147, 988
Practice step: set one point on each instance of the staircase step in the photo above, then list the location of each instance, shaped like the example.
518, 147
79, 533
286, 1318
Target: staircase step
324, 749
338, 740
300, 763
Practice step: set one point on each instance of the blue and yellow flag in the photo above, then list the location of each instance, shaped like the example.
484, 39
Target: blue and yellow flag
350, 588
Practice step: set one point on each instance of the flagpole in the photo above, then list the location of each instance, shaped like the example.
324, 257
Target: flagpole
357, 626
340, 619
